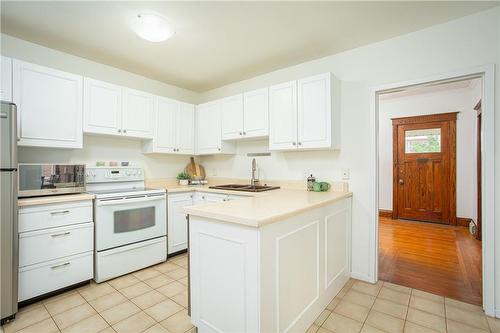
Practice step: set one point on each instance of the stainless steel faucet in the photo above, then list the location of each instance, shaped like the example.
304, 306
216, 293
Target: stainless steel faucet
254, 181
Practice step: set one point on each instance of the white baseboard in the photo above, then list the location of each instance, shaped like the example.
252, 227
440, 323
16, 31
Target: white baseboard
362, 277
497, 313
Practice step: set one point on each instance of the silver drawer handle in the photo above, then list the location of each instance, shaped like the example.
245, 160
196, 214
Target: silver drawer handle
60, 266
61, 234
60, 212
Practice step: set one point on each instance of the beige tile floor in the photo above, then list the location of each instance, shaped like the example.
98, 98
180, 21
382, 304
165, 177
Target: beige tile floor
154, 300
390, 308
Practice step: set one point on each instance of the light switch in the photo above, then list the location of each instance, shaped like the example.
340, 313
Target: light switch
346, 174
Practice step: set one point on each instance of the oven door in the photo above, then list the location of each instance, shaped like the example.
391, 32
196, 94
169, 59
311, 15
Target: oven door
126, 220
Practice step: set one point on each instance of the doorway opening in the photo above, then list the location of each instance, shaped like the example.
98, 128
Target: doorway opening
429, 153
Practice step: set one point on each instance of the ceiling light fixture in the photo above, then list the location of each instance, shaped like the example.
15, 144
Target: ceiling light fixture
152, 27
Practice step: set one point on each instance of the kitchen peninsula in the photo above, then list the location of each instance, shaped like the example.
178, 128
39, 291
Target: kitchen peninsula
270, 262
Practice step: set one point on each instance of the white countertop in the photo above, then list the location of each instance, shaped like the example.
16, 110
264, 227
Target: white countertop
265, 207
50, 199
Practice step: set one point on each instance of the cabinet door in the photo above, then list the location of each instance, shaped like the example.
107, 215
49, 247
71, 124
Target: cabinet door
208, 128
283, 116
166, 125
137, 114
49, 104
256, 113
185, 124
213, 198
6, 79
102, 107
177, 223
314, 112
232, 117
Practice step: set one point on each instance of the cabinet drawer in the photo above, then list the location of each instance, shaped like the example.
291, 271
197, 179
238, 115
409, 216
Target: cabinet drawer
36, 280
49, 244
54, 215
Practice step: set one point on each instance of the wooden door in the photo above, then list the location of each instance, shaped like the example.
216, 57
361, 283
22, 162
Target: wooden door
424, 168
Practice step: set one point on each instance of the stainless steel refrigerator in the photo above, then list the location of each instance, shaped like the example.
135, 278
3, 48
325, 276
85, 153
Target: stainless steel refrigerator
9, 248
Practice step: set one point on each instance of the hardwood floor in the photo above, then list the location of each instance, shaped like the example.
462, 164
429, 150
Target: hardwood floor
444, 260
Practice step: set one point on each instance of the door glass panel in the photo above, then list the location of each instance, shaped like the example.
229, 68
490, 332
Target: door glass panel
423, 141
134, 219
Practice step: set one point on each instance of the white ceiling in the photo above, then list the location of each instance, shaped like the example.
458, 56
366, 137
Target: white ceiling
217, 43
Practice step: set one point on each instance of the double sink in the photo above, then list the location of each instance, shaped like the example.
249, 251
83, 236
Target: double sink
245, 188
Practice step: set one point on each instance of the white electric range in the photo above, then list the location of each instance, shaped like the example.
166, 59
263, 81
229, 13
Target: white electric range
130, 221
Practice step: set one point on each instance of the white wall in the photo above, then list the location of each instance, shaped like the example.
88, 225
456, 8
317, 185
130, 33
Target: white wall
455, 45
98, 148
433, 102
102, 148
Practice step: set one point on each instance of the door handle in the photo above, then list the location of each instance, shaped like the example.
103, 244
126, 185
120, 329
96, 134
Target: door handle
67, 233
401, 181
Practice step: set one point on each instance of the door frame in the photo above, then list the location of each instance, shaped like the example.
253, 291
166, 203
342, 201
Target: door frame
450, 117
487, 74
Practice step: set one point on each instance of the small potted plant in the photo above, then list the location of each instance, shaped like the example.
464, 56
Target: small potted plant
183, 178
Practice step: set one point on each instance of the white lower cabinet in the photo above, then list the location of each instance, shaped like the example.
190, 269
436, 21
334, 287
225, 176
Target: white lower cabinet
241, 277
48, 244
56, 247
177, 223
42, 278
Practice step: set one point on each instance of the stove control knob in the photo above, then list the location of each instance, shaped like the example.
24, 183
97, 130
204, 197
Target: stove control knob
127, 173
139, 172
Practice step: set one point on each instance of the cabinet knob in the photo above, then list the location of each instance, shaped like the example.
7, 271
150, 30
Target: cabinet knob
124, 131
203, 197
241, 133
293, 143
300, 143
119, 130
218, 149
244, 133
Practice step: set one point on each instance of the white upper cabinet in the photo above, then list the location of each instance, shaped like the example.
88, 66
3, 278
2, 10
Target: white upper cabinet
256, 113
304, 114
49, 104
245, 116
137, 114
283, 116
208, 130
6, 79
173, 128
232, 117
185, 124
102, 112
314, 120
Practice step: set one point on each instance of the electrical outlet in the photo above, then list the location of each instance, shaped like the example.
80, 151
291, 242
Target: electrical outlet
346, 174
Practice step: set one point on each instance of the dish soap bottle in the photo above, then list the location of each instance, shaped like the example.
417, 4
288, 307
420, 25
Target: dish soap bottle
310, 182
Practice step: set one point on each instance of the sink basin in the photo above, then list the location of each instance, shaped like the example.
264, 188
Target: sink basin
245, 188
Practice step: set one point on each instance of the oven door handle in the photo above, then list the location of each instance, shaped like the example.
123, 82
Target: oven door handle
120, 201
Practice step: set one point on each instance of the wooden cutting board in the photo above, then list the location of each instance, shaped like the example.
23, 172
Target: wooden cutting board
196, 171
